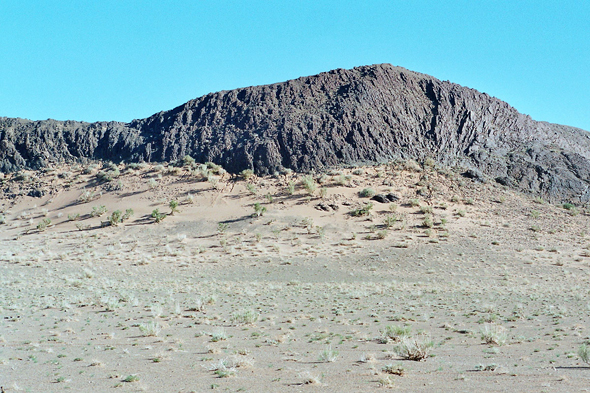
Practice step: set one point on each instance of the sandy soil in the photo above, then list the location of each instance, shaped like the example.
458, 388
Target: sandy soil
489, 286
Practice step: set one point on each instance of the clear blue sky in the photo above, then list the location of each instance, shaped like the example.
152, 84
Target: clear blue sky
124, 59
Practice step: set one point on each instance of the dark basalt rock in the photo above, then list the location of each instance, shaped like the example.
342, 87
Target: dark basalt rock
381, 198
392, 197
366, 115
36, 193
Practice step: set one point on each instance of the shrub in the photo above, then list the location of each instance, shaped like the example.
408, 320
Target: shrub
128, 214
568, 206
412, 165
216, 169
219, 335
222, 227
291, 188
389, 221
74, 217
415, 348
116, 218
187, 161
414, 202
363, 211
493, 334
259, 210
157, 216
131, 378
98, 211
150, 329
252, 188
152, 183
309, 184
343, 180
396, 333
427, 222
426, 209
328, 355
86, 196
109, 175
246, 174
246, 317
584, 353
429, 162
367, 193
46, 222
173, 205
396, 369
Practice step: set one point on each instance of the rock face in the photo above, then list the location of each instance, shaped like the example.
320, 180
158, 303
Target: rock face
369, 114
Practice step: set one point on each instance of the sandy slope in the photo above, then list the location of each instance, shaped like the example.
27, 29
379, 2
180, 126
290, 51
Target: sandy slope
298, 299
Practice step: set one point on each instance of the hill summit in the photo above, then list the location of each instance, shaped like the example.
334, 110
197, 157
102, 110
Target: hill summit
369, 114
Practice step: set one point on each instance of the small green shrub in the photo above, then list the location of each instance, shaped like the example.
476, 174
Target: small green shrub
44, 224
157, 216
252, 188
427, 222
396, 333
74, 217
415, 348
150, 329
115, 218
291, 188
187, 161
173, 205
246, 174
328, 355
309, 184
108, 175
363, 211
259, 210
493, 334
222, 227
98, 211
584, 353
246, 317
389, 221
367, 193
131, 378
426, 209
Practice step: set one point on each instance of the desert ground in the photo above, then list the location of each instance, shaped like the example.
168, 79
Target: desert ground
165, 278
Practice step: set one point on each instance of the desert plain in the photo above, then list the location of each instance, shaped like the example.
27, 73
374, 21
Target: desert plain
163, 278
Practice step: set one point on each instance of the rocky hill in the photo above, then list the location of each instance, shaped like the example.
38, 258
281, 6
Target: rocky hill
365, 115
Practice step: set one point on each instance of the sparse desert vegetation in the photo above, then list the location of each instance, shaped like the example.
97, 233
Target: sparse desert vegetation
289, 286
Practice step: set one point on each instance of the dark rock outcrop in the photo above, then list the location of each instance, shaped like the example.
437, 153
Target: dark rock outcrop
368, 114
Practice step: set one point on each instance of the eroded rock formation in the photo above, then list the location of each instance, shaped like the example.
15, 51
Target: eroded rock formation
365, 115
